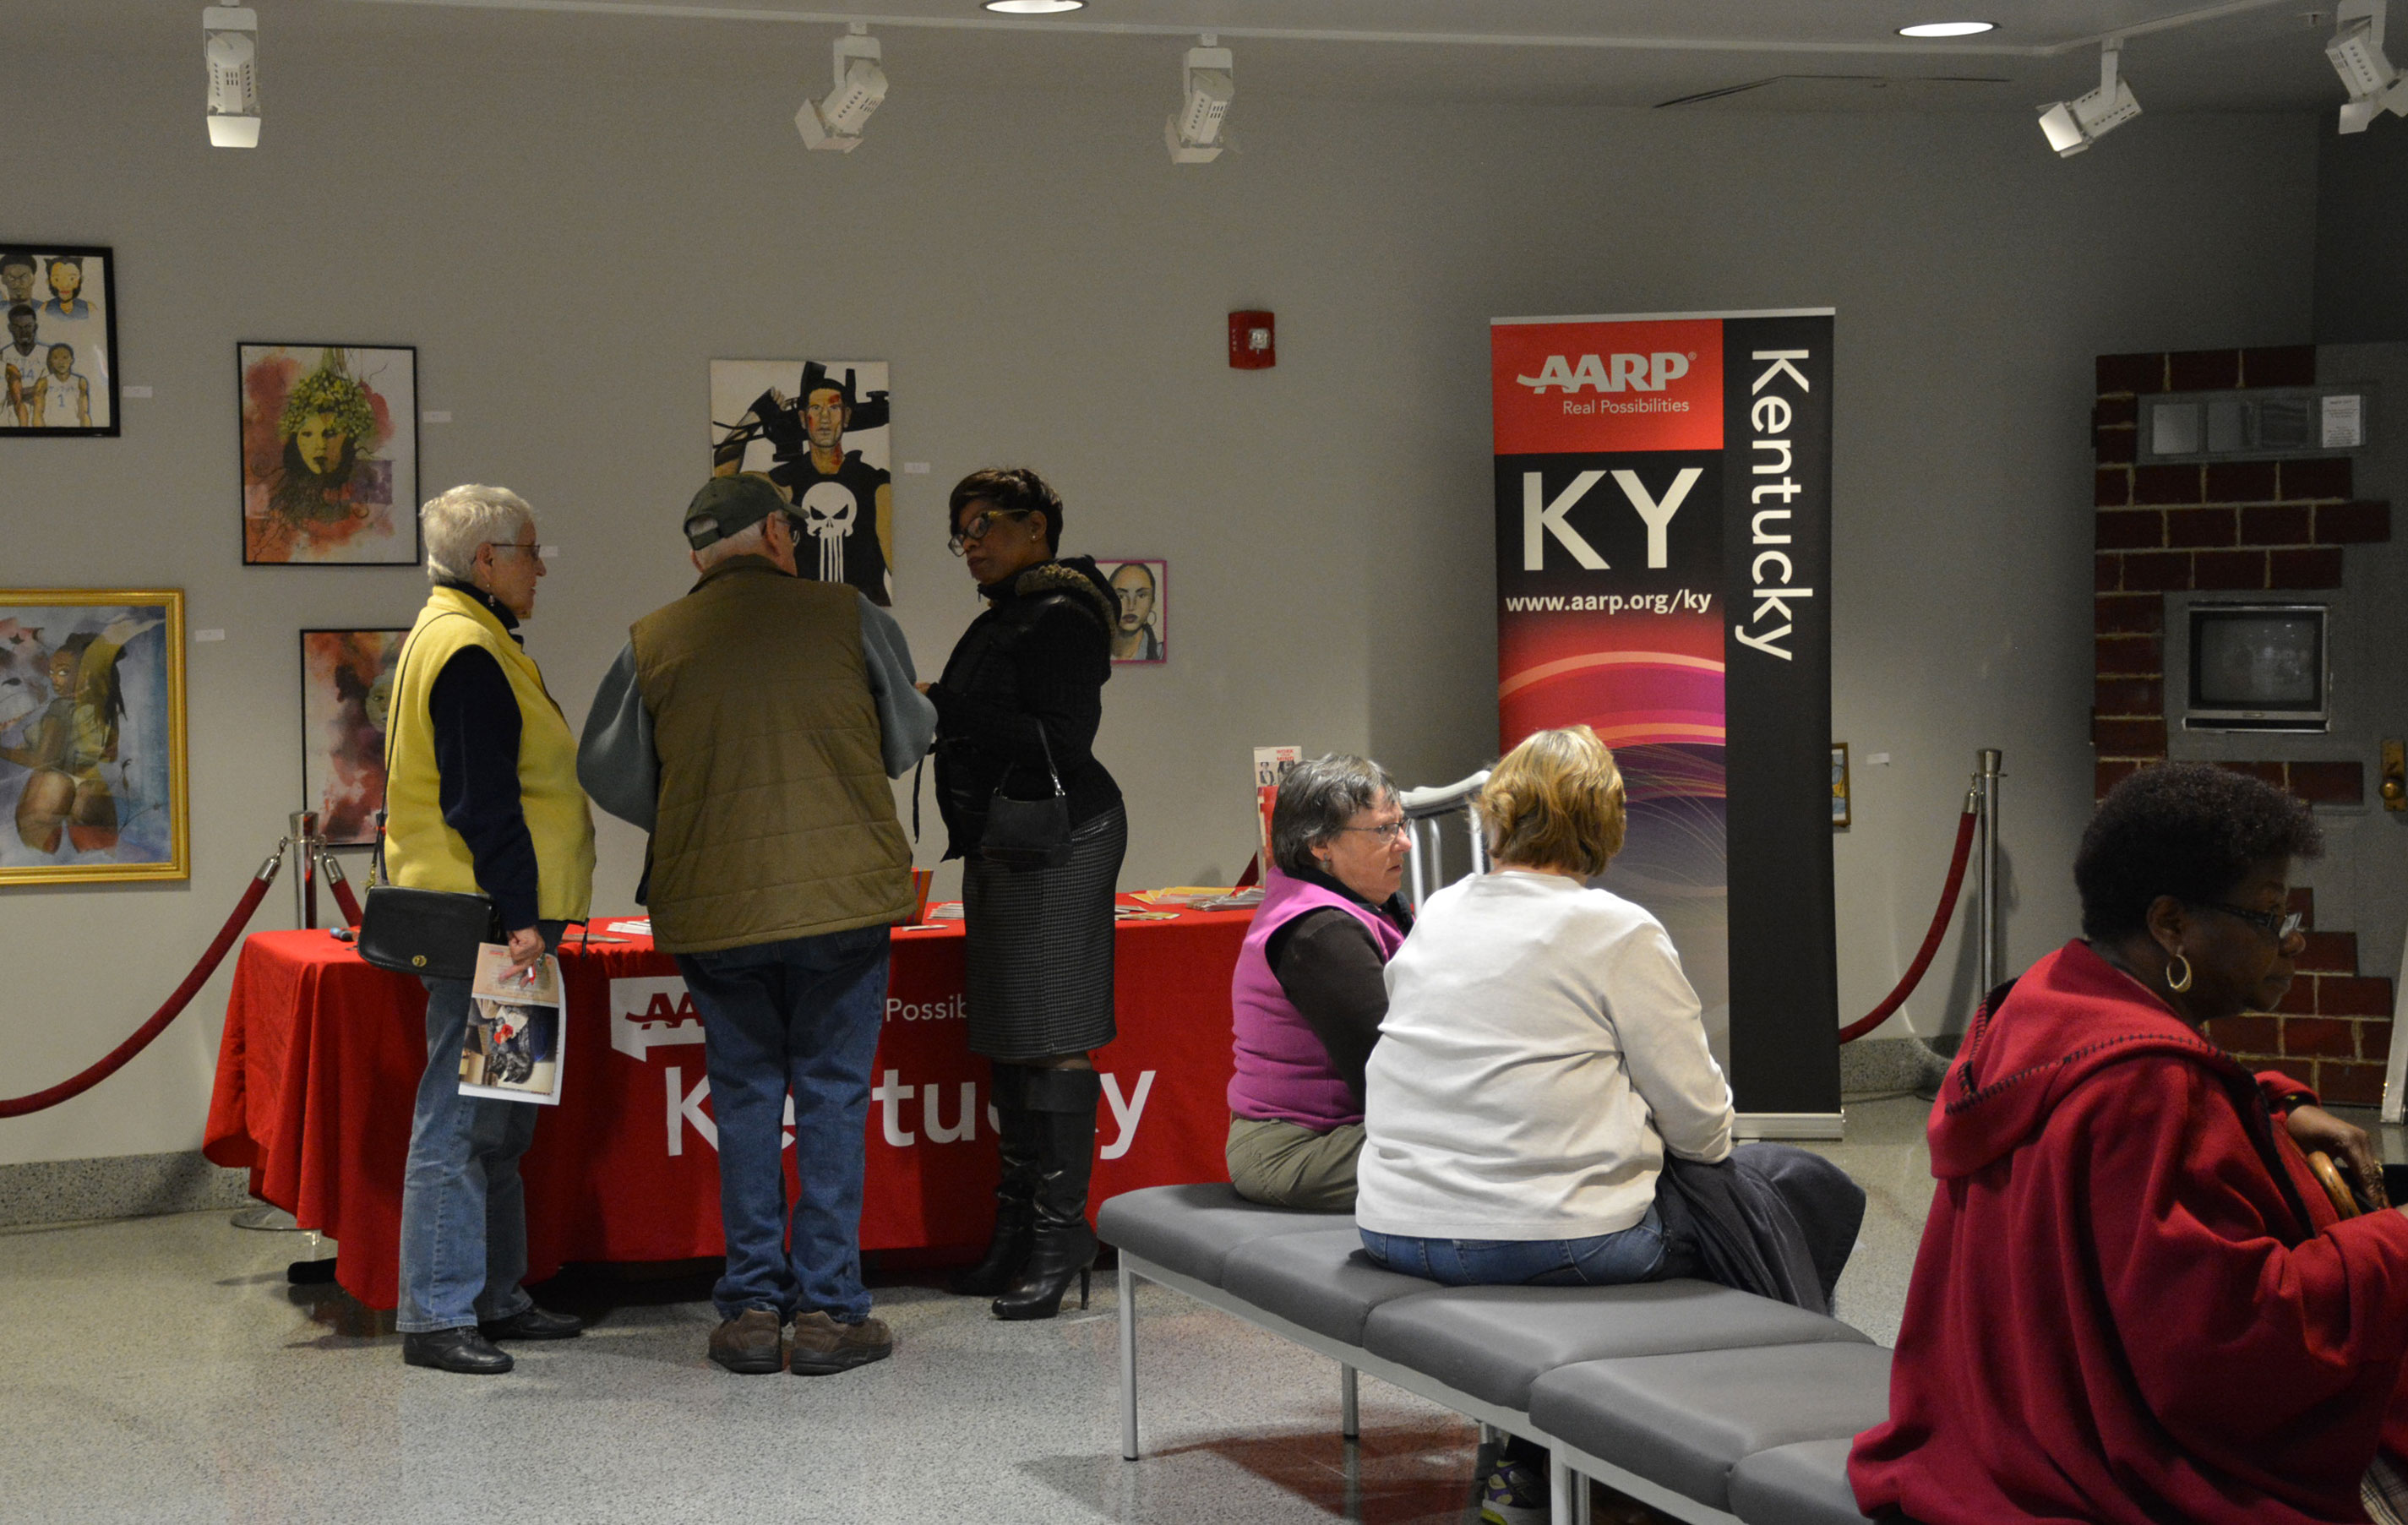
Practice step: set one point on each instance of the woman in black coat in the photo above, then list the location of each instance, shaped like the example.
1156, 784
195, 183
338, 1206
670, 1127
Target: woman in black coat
1017, 709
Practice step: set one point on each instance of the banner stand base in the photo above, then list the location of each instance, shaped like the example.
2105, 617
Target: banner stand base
1750, 1126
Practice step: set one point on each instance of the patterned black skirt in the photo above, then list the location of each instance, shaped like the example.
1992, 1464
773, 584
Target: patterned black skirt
1040, 948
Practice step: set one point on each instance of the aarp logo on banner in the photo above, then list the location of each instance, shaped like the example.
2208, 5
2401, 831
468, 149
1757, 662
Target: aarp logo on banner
1607, 385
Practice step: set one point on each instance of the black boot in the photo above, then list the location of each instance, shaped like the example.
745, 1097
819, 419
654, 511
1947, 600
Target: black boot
1062, 1105
1015, 1210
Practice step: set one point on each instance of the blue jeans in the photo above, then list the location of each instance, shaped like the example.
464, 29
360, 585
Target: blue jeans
798, 1018
463, 1206
1642, 1252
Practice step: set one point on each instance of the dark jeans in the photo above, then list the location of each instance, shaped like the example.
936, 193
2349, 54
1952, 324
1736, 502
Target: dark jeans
462, 1205
797, 1018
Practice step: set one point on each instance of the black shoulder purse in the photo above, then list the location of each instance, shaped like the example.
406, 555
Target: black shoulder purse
1028, 833
432, 933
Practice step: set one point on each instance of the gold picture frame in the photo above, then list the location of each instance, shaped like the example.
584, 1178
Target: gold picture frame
92, 762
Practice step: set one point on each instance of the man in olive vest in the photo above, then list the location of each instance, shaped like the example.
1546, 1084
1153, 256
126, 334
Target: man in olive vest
752, 728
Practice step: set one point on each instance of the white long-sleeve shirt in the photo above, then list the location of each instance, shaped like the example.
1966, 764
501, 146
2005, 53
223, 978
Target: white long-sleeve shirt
1542, 1050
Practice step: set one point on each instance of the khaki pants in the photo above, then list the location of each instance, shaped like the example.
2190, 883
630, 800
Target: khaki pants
1288, 1165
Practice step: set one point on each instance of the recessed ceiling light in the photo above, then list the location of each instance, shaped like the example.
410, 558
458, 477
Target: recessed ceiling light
1929, 29
1034, 7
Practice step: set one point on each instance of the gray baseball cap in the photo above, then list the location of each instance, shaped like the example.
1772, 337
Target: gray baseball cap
730, 506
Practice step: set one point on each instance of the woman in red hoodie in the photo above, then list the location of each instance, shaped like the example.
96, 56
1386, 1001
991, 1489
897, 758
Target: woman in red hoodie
2133, 1304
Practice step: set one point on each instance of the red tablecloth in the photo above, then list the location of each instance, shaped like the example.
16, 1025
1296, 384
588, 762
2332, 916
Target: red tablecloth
321, 1056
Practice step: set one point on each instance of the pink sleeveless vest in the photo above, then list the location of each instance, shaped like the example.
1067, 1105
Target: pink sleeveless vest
1282, 1073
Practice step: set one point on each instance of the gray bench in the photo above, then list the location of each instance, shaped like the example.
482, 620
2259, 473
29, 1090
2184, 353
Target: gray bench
1707, 1403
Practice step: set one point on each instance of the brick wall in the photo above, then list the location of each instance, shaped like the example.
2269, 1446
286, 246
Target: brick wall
2236, 526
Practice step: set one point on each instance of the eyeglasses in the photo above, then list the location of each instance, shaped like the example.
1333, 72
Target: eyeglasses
524, 547
978, 527
1398, 831
2279, 927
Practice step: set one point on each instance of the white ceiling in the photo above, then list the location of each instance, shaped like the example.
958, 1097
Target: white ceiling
1742, 55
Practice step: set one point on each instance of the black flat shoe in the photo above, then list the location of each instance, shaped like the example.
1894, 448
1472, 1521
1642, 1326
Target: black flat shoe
534, 1323
456, 1350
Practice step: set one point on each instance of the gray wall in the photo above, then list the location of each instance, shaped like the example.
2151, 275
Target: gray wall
568, 246
2361, 237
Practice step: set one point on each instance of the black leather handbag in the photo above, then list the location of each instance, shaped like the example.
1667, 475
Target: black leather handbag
1028, 833
432, 933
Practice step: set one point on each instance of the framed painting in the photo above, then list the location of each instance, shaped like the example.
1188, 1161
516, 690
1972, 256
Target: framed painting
346, 690
820, 431
329, 455
91, 737
1143, 588
1843, 800
58, 361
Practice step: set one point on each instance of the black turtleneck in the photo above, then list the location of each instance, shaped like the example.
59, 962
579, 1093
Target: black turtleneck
1329, 969
476, 720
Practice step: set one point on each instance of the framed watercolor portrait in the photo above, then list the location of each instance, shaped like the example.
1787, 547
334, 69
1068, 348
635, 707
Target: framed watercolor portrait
821, 430
91, 737
329, 455
346, 689
1143, 588
58, 354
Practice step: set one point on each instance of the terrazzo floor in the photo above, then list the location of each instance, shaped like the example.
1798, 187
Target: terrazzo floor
163, 1371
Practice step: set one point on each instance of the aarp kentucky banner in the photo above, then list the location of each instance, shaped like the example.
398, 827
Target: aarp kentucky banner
1663, 575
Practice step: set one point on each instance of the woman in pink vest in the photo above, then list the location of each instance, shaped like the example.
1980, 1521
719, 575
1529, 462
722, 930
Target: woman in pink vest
1309, 991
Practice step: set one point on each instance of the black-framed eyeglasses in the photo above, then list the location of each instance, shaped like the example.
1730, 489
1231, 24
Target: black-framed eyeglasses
2279, 927
979, 526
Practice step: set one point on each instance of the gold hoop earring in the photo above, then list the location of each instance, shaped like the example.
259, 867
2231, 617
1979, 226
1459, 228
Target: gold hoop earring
2178, 986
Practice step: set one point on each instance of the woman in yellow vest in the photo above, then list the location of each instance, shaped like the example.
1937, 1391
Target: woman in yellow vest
481, 795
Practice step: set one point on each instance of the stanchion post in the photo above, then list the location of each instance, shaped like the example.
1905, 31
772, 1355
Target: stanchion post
1986, 779
305, 877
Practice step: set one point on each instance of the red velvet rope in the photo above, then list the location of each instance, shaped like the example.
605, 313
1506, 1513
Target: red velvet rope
345, 900
20, 1105
1913, 975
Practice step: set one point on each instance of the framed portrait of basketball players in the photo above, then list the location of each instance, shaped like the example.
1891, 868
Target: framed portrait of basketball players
329, 455
1143, 586
821, 430
91, 736
58, 354
346, 691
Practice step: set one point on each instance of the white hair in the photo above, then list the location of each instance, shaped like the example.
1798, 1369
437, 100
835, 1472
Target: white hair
458, 521
751, 540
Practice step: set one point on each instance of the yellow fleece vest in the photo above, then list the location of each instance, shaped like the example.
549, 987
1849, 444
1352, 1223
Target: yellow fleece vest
421, 852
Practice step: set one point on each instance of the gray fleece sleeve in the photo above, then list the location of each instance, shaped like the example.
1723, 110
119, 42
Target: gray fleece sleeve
907, 722
615, 760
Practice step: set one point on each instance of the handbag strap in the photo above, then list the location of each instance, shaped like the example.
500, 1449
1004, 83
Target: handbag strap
1043, 747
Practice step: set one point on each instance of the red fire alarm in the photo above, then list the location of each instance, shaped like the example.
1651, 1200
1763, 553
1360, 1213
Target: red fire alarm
1254, 344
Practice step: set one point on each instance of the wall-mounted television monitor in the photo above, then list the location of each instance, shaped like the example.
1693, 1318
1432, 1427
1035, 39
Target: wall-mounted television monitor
2256, 668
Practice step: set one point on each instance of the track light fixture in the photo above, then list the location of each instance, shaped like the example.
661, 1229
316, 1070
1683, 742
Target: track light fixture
230, 44
2073, 125
2356, 52
836, 123
1205, 89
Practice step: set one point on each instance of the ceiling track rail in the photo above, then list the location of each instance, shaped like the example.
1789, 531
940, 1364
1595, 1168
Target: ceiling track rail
664, 10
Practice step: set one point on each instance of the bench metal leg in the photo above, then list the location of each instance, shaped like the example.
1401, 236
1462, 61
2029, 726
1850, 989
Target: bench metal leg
1561, 1480
1489, 1434
1350, 1416
1128, 1363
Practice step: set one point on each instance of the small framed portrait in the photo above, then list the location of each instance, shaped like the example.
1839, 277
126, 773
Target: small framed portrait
329, 455
1143, 587
58, 357
1841, 806
346, 690
91, 736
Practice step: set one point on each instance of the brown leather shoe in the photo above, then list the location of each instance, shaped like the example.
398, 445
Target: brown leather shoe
748, 1343
822, 1346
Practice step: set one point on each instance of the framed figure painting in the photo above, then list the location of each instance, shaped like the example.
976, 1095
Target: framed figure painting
819, 429
91, 736
346, 689
58, 361
329, 455
1143, 588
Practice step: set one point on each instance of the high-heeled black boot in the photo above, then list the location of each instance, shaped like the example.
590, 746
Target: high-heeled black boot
1015, 1212
1063, 1105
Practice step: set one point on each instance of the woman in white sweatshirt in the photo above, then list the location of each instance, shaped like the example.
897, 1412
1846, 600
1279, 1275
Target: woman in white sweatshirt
1542, 1052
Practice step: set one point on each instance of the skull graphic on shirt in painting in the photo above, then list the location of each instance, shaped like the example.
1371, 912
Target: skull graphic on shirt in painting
829, 511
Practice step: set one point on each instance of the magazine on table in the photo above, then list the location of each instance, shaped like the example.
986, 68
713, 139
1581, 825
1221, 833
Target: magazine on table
517, 1033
